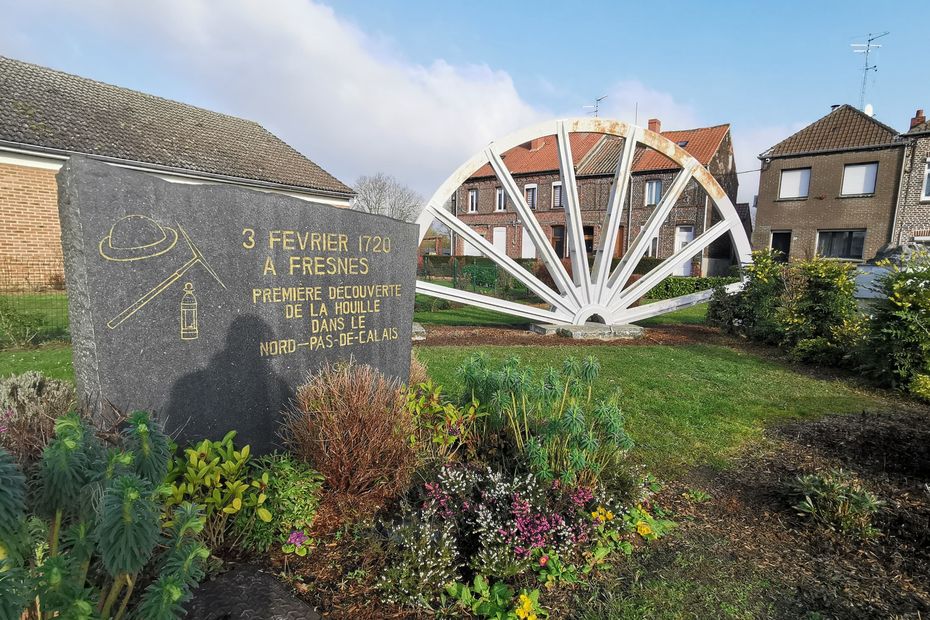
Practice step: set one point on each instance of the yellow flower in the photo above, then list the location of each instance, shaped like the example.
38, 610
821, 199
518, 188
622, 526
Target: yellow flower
643, 528
610, 516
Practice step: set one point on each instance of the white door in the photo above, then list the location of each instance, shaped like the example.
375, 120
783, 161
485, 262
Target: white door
500, 239
683, 236
528, 249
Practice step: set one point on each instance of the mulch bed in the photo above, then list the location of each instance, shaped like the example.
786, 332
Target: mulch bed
811, 569
442, 335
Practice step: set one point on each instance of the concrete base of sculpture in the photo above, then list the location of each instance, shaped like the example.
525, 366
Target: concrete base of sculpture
590, 331
419, 332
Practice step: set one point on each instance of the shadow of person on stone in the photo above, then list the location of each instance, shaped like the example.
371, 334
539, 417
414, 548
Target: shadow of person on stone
238, 390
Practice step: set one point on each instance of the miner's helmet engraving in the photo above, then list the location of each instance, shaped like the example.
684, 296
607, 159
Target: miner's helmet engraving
137, 237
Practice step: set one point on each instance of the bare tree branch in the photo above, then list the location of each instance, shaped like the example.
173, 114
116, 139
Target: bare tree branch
385, 195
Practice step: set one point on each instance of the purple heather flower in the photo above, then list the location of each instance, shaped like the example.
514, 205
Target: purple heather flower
297, 538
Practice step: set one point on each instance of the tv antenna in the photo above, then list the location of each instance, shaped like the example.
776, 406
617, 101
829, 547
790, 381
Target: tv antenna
596, 107
865, 49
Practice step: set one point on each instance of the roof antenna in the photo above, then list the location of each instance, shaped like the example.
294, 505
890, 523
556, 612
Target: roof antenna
596, 107
866, 48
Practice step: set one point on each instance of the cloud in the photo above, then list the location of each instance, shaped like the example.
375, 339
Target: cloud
632, 100
342, 98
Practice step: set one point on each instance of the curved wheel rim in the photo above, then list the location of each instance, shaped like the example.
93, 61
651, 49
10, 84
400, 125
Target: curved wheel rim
597, 289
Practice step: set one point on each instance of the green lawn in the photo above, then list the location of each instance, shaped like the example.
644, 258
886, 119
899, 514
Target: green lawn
51, 308
686, 405
53, 360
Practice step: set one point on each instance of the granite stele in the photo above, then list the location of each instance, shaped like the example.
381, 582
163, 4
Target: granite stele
209, 304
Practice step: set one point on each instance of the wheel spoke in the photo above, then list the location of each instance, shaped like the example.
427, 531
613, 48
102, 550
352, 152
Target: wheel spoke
638, 248
492, 303
581, 273
638, 313
610, 228
663, 269
537, 236
511, 266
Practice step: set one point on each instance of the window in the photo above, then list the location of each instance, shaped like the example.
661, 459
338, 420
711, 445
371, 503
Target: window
472, 201
455, 201
794, 183
859, 179
653, 192
588, 232
558, 240
557, 195
926, 192
501, 203
653, 250
682, 143
529, 192
840, 243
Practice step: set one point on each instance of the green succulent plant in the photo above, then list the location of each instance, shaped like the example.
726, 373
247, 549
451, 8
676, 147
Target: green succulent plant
149, 447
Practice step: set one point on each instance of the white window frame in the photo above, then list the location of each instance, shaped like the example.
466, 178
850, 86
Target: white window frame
473, 201
781, 178
535, 188
500, 200
652, 183
925, 190
561, 205
865, 164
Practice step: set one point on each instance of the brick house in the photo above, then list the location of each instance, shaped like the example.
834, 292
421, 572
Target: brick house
912, 222
47, 116
830, 189
481, 202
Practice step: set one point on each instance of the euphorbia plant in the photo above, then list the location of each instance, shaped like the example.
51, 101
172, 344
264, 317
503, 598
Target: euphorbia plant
104, 510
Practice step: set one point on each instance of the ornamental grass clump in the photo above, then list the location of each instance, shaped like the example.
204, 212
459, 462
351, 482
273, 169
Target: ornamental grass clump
93, 539
351, 424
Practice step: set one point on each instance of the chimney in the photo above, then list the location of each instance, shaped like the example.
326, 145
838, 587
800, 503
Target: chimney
655, 125
918, 119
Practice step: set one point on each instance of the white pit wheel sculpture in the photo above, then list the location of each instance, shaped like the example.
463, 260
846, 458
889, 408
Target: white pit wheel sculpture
596, 290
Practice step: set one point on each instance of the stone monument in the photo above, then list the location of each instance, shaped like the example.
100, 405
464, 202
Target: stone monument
209, 304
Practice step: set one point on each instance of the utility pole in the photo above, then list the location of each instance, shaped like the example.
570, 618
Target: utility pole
865, 49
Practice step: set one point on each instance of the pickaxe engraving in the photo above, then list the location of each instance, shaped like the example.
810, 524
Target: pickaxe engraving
197, 257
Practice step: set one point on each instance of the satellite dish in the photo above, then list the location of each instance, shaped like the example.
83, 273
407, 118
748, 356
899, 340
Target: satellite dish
869, 111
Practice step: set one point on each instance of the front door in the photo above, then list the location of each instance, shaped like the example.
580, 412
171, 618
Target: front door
683, 236
527, 247
500, 239
781, 243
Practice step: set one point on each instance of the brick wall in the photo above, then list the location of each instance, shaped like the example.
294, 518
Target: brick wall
825, 208
30, 234
913, 211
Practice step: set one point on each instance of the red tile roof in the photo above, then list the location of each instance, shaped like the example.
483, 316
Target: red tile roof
542, 154
595, 153
702, 144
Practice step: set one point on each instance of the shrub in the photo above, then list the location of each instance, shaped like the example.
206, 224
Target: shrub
897, 347
481, 275
818, 314
837, 500
293, 496
751, 311
105, 536
351, 424
675, 286
440, 428
481, 522
217, 478
29, 405
17, 328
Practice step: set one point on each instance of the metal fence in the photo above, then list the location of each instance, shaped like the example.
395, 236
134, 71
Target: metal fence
33, 304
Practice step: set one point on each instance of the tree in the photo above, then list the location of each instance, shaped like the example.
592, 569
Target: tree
385, 195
